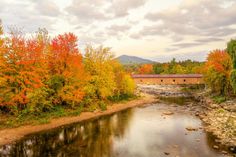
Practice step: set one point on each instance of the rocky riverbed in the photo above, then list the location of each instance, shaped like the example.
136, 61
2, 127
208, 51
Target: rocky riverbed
163, 90
219, 119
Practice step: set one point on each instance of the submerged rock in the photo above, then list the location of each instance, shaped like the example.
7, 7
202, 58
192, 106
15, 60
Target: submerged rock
191, 129
168, 113
216, 147
166, 153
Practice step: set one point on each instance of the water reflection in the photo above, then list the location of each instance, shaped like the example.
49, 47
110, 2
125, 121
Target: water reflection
138, 132
177, 100
88, 139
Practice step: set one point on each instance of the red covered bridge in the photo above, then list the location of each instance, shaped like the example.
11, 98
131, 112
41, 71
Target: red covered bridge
168, 79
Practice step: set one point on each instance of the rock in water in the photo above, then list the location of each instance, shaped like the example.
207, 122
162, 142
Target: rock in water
191, 129
216, 147
166, 153
168, 113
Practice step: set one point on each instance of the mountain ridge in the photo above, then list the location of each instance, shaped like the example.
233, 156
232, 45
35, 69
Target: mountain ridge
126, 59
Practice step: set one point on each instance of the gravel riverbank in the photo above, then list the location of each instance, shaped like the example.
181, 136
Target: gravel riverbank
220, 120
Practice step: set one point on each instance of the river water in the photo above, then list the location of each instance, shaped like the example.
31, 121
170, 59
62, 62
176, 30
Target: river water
138, 132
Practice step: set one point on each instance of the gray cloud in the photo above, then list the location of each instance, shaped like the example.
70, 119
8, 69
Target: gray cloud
122, 7
152, 30
204, 17
207, 40
221, 32
197, 42
117, 30
171, 49
186, 45
47, 8
102, 10
87, 10
27, 15
196, 56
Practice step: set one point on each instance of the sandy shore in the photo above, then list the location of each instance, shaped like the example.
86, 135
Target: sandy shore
8, 136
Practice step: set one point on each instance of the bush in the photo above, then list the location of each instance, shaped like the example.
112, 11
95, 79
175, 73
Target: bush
102, 105
41, 100
92, 107
56, 82
219, 99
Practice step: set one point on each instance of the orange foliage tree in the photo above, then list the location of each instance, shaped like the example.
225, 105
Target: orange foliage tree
21, 69
38, 72
146, 69
217, 71
65, 66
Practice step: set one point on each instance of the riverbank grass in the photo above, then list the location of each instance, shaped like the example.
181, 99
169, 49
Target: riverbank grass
25, 117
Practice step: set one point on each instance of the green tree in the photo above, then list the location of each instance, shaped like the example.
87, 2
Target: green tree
158, 68
231, 49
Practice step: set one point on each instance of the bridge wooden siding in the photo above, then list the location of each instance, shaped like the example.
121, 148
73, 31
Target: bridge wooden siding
170, 79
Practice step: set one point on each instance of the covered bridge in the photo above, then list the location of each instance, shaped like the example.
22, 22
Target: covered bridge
168, 79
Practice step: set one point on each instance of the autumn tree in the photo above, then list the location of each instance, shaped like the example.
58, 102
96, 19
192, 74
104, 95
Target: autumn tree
37, 73
67, 75
98, 63
21, 69
217, 71
108, 79
125, 85
145, 69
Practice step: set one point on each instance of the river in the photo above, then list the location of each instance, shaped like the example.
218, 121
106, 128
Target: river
146, 131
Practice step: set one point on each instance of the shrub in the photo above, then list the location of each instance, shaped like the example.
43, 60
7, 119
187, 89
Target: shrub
219, 99
41, 100
102, 105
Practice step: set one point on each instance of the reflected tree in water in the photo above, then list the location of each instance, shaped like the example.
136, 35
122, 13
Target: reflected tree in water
92, 138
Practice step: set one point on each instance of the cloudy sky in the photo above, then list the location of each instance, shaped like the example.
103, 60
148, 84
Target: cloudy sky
154, 29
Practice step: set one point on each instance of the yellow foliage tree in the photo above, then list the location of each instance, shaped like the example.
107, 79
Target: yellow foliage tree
98, 63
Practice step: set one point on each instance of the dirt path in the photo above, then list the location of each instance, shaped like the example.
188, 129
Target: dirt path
8, 136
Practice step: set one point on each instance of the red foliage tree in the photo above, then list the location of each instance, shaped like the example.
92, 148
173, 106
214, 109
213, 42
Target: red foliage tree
146, 69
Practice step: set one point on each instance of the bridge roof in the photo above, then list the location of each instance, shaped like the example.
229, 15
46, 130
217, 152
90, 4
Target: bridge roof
167, 75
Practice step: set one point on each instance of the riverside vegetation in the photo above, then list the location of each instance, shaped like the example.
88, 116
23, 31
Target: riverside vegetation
43, 77
220, 76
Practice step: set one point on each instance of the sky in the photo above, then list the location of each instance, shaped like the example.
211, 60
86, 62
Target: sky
154, 29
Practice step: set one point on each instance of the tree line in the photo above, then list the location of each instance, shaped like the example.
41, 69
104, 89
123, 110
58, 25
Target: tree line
39, 73
172, 67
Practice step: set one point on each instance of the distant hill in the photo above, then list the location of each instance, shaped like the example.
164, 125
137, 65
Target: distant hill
124, 59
